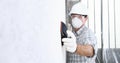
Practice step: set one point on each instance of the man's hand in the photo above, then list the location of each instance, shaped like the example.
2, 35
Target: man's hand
70, 42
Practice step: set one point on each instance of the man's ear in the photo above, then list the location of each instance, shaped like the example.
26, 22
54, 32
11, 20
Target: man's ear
86, 18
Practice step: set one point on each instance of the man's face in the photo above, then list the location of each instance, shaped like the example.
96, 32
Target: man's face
83, 18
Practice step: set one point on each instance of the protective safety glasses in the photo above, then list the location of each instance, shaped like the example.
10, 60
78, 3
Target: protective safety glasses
78, 15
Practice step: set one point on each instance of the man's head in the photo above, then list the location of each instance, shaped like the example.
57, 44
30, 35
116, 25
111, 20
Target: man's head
79, 15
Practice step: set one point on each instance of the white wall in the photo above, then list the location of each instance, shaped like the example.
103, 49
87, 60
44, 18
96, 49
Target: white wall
30, 31
110, 16
117, 18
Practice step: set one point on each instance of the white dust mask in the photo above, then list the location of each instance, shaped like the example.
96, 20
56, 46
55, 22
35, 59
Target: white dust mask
76, 22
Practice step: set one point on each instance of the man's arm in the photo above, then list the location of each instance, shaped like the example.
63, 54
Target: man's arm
85, 50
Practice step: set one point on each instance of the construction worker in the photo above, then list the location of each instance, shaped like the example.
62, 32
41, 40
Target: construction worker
81, 44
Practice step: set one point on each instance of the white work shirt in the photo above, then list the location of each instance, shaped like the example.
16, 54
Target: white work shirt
84, 36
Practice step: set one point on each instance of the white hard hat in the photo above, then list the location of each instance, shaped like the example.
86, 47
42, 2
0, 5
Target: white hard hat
79, 8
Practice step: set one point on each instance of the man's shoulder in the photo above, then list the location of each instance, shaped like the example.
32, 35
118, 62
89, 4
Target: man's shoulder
89, 32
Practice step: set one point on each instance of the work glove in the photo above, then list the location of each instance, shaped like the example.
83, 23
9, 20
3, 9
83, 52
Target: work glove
70, 42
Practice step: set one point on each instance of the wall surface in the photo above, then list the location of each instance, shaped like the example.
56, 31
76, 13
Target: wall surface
104, 21
30, 31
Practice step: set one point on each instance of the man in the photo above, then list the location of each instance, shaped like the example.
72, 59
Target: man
80, 44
